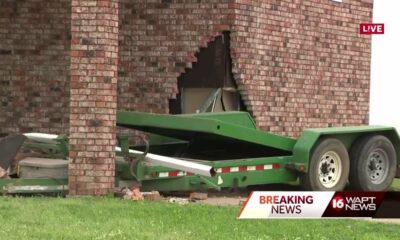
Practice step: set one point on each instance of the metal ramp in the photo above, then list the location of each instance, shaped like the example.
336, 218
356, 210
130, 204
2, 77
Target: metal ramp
220, 128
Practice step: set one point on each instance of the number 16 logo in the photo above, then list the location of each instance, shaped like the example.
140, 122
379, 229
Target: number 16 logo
337, 203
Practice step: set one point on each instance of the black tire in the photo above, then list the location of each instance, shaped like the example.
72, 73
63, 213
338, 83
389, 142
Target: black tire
321, 153
365, 156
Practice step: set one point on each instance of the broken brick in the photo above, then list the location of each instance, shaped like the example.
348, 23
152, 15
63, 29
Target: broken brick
137, 195
152, 196
198, 196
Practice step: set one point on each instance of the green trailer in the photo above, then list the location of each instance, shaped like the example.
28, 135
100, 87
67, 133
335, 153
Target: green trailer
366, 158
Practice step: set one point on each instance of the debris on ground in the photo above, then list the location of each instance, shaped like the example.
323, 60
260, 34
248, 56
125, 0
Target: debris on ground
181, 201
182, 198
152, 196
198, 196
133, 194
125, 193
137, 195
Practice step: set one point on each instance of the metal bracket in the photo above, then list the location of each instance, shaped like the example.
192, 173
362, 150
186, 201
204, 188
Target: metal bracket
62, 142
209, 183
123, 142
135, 161
211, 101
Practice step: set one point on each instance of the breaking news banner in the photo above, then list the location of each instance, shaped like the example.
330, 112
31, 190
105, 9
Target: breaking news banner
267, 205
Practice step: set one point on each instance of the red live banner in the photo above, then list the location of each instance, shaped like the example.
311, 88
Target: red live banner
372, 28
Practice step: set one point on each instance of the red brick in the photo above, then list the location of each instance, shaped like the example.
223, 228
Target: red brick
198, 196
272, 71
297, 64
93, 180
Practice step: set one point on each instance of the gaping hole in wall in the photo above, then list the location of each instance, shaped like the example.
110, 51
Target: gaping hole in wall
209, 85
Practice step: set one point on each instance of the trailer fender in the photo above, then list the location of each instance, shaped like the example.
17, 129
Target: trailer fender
347, 135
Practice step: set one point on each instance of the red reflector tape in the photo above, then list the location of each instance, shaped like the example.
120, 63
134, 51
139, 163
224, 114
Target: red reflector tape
173, 174
276, 166
242, 168
259, 167
222, 170
248, 168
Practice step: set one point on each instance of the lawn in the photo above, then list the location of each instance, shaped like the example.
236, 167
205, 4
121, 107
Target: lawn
112, 218
396, 185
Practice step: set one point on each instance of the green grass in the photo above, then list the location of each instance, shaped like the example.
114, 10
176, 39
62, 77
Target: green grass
395, 185
111, 218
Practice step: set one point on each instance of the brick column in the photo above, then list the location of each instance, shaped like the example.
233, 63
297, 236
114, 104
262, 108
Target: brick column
94, 61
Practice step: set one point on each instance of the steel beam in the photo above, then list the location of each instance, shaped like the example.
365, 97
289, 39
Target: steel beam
174, 163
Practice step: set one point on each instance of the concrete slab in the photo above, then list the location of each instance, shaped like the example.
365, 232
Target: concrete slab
44, 162
43, 168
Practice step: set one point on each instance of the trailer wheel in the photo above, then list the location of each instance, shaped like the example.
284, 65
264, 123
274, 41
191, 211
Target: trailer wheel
373, 164
328, 168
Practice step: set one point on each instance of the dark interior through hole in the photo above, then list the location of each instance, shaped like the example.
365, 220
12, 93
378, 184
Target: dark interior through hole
210, 77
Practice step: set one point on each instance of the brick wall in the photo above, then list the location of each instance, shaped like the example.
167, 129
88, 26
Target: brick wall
34, 66
302, 63
94, 64
158, 40
297, 63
